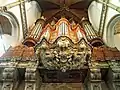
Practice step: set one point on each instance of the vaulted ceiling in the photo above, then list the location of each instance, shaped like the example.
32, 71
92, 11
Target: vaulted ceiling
70, 8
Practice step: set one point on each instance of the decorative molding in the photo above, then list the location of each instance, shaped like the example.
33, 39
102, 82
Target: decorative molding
103, 17
23, 17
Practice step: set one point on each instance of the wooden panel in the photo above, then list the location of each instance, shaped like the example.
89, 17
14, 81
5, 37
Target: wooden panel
71, 76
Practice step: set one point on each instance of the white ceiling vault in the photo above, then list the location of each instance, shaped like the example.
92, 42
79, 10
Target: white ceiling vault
34, 8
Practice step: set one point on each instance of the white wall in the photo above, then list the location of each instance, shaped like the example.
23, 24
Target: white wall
33, 13
94, 12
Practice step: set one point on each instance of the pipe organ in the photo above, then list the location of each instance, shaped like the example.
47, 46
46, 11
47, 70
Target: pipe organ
60, 52
61, 47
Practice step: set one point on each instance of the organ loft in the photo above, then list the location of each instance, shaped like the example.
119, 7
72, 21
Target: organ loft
59, 45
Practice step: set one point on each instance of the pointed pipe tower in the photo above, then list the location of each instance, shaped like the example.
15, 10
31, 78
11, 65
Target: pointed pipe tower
33, 37
91, 34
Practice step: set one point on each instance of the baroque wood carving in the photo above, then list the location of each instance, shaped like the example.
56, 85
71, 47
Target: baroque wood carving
63, 54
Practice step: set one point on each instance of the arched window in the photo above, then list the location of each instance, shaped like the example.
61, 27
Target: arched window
9, 30
5, 25
113, 32
9, 24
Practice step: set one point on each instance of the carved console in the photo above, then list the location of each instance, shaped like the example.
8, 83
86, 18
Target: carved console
116, 78
115, 66
9, 78
107, 58
95, 79
95, 76
32, 79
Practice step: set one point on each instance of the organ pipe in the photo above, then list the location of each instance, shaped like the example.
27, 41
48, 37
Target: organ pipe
91, 35
32, 38
63, 29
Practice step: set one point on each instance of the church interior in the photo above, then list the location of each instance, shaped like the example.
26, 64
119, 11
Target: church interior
59, 45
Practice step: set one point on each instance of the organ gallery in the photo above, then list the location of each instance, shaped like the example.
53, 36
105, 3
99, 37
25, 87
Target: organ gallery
61, 50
